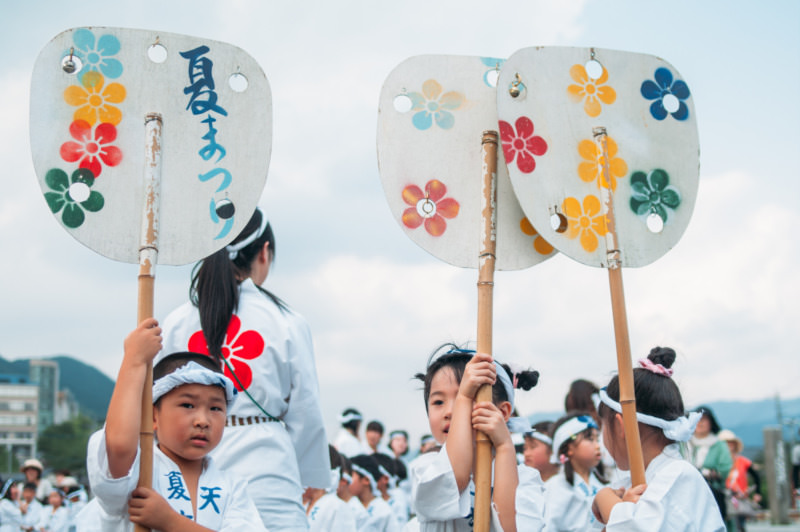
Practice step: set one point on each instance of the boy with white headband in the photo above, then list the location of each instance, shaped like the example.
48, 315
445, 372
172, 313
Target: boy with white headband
190, 399
364, 487
675, 497
324, 509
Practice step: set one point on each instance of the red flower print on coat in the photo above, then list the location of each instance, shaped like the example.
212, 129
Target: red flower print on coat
237, 349
429, 206
92, 147
522, 144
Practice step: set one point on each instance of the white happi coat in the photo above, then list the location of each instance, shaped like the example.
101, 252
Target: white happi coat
330, 514
379, 517
441, 508
277, 459
349, 445
677, 499
222, 501
569, 508
32, 517
10, 516
57, 521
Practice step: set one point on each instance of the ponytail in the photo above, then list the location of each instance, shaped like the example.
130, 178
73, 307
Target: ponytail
214, 289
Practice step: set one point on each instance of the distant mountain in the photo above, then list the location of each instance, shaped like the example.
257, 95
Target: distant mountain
747, 419
90, 387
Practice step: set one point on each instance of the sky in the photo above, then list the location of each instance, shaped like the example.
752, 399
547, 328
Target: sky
725, 297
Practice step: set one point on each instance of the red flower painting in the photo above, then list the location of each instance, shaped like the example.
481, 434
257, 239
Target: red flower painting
430, 207
519, 142
92, 146
237, 350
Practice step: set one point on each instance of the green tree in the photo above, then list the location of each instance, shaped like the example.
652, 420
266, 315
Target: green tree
63, 446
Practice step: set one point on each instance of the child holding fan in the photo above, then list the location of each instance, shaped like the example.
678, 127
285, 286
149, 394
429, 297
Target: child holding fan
675, 497
442, 488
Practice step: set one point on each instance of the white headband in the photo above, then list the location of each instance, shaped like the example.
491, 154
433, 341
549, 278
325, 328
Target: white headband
373, 483
336, 475
233, 249
680, 429
352, 416
515, 424
574, 426
194, 373
542, 437
6, 486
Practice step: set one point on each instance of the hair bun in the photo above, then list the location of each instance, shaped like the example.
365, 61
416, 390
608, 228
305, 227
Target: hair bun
527, 379
662, 355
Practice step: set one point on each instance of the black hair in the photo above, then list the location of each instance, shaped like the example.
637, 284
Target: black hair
353, 424
579, 397
456, 358
387, 462
569, 469
335, 457
542, 427
656, 395
29, 486
707, 412
214, 289
347, 465
173, 361
7, 494
369, 464
375, 426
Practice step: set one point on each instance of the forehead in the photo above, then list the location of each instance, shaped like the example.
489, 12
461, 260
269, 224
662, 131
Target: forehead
443, 380
199, 391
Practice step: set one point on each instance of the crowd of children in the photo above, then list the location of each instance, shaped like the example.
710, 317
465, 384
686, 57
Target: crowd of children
37, 505
554, 477
242, 446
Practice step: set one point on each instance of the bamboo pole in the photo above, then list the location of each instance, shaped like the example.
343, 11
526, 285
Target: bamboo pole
148, 255
627, 397
483, 445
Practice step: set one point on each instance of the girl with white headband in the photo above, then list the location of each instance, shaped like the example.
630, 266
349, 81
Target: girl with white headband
675, 497
569, 494
347, 441
442, 489
324, 509
537, 449
189, 491
274, 436
10, 514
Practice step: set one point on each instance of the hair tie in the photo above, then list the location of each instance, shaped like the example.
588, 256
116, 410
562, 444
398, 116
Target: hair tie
233, 249
563, 459
679, 429
658, 369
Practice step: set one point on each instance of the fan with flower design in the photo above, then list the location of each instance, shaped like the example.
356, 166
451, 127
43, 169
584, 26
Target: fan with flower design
617, 185
149, 148
437, 152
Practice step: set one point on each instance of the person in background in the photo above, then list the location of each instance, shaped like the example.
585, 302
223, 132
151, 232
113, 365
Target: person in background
739, 491
347, 441
396, 498
364, 487
55, 516
582, 397
33, 469
538, 448
398, 443
711, 456
30, 507
325, 510
374, 435
10, 514
569, 494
